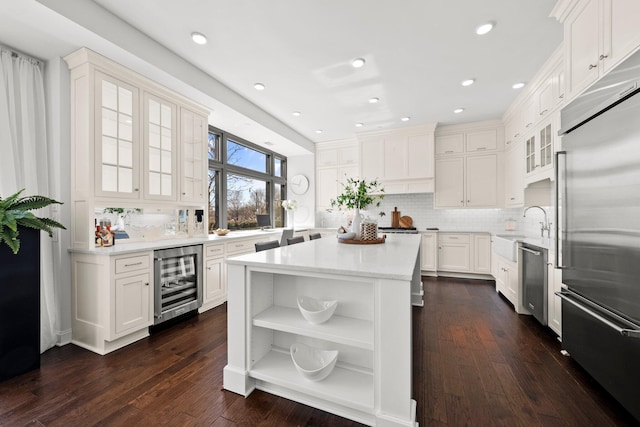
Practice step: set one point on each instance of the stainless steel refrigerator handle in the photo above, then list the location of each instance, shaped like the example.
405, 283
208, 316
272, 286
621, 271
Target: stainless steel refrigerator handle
568, 297
531, 251
556, 255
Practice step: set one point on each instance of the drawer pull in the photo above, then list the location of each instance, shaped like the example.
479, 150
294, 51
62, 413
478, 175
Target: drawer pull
135, 263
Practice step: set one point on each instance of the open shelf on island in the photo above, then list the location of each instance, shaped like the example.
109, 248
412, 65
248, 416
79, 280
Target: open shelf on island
339, 329
346, 387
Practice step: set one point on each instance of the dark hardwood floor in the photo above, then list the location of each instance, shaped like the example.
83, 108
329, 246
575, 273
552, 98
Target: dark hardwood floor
477, 363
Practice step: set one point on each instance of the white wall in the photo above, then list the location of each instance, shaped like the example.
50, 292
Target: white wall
305, 165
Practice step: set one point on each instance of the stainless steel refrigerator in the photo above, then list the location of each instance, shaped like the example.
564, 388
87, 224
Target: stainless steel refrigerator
598, 211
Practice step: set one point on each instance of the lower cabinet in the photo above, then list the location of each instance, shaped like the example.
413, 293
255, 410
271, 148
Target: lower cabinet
554, 303
429, 252
215, 277
111, 299
506, 275
464, 253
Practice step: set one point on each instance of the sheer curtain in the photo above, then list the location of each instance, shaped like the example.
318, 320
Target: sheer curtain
24, 160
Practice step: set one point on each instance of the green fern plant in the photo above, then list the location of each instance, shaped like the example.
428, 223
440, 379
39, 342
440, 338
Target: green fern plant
15, 211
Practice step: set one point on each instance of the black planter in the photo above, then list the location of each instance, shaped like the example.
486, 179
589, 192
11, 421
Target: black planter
20, 306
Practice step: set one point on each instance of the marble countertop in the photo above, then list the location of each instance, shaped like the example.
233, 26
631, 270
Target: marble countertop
394, 259
541, 242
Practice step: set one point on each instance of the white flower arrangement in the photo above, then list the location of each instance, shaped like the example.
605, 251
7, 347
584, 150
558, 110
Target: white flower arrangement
289, 205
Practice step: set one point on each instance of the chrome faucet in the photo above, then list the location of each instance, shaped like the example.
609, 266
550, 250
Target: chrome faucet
546, 225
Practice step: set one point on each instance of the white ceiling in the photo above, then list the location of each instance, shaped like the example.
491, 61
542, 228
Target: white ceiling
417, 53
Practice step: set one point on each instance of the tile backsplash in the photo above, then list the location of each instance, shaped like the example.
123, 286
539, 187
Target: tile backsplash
420, 208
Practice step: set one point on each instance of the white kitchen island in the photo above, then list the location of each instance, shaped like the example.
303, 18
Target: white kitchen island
371, 327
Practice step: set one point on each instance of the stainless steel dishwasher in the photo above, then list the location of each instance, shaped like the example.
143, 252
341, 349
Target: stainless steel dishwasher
534, 281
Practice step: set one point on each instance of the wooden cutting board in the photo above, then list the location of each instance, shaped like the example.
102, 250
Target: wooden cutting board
406, 221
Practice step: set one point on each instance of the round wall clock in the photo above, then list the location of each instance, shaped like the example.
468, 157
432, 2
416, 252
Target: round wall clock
299, 184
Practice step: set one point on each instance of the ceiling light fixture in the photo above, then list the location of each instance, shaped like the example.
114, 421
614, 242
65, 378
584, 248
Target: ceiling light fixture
259, 86
374, 100
359, 125
296, 113
405, 119
458, 110
268, 143
319, 131
468, 82
199, 38
484, 28
518, 85
358, 63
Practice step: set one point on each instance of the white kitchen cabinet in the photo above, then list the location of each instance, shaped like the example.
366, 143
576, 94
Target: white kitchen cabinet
514, 175
134, 144
482, 253
160, 145
554, 302
470, 182
507, 279
335, 162
194, 140
429, 251
481, 181
513, 129
539, 150
454, 252
112, 299
401, 159
598, 34
481, 140
450, 144
215, 278
117, 141
449, 185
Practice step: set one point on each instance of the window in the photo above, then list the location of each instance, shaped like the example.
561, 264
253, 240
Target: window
244, 180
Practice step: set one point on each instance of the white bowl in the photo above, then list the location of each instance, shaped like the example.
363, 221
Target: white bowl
316, 311
349, 235
312, 363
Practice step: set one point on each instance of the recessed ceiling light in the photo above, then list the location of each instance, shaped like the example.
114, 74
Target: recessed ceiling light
518, 85
358, 62
484, 28
319, 131
296, 113
468, 82
259, 86
374, 100
405, 119
359, 125
458, 110
199, 38
268, 143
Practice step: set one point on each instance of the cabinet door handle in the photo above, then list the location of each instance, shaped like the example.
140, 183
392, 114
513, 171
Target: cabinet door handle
561, 96
513, 198
603, 57
591, 66
481, 148
136, 189
448, 151
516, 135
543, 112
529, 124
147, 284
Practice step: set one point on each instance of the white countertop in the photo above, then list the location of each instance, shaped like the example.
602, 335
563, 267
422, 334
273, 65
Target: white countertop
542, 242
394, 259
123, 247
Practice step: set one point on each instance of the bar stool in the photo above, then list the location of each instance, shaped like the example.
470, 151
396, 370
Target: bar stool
263, 246
315, 236
294, 240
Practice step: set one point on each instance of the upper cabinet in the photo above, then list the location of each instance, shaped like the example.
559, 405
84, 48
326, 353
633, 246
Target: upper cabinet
402, 159
598, 34
468, 164
335, 162
134, 143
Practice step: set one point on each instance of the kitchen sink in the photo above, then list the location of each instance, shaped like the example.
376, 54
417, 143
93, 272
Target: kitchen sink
506, 245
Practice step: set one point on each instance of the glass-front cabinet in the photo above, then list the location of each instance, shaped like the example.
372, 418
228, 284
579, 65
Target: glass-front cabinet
160, 148
117, 150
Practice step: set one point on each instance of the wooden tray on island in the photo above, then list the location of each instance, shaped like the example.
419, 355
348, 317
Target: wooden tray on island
363, 242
